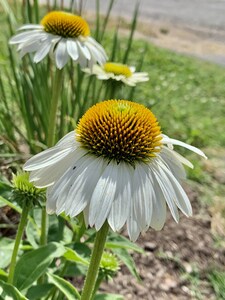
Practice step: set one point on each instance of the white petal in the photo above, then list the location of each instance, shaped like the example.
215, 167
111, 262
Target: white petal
61, 54
61, 187
181, 198
167, 191
43, 51
103, 196
84, 50
96, 45
159, 205
68, 140
172, 163
142, 196
85, 180
48, 175
121, 205
32, 46
50, 205
132, 228
72, 49
167, 140
46, 158
25, 36
132, 224
31, 26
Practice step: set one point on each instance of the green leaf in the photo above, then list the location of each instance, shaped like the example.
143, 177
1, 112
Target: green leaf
9, 292
72, 255
6, 249
64, 286
128, 261
108, 297
118, 241
35, 263
36, 292
32, 234
3, 275
5, 189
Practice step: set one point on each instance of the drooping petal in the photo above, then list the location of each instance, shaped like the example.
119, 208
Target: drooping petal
121, 205
61, 54
181, 199
167, 191
83, 186
159, 205
72, 49
84, 50
142, 196
103, 196
43, 51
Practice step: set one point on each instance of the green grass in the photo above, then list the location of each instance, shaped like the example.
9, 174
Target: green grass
217, 279
187, 95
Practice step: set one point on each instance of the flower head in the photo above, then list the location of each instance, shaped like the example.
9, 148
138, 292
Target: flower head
62, 34
116, 166
118, 72
25, 191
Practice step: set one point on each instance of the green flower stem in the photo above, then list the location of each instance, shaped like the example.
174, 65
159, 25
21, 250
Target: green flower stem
44, 220
22, 224
56, 92
92, 274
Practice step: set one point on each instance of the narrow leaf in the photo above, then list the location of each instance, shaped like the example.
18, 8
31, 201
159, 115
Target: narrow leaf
37, 292
127, 260
118, 241
9, 292
72, 255
64, 286
35, 263
108, 297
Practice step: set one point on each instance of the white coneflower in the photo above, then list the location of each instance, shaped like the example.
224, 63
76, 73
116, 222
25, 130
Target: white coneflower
118, 72
62, 34
116, 166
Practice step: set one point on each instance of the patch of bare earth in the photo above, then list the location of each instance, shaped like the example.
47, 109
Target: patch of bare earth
207, 44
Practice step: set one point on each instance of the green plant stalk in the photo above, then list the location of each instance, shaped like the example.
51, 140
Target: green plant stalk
43, 237
56, 91
22, 224
92, 274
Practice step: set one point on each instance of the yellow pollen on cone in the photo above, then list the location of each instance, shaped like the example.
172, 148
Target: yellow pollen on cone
120, 130
65, 24
117, 69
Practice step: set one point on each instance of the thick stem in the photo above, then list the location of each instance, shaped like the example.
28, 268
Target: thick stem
56, 93
91, 278
22, 224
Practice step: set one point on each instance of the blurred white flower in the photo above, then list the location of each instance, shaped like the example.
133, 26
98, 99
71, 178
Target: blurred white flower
63, 35
116, 166
118, 72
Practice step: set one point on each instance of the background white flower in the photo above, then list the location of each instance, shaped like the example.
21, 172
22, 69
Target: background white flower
118, 72
117, 166
63, 35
